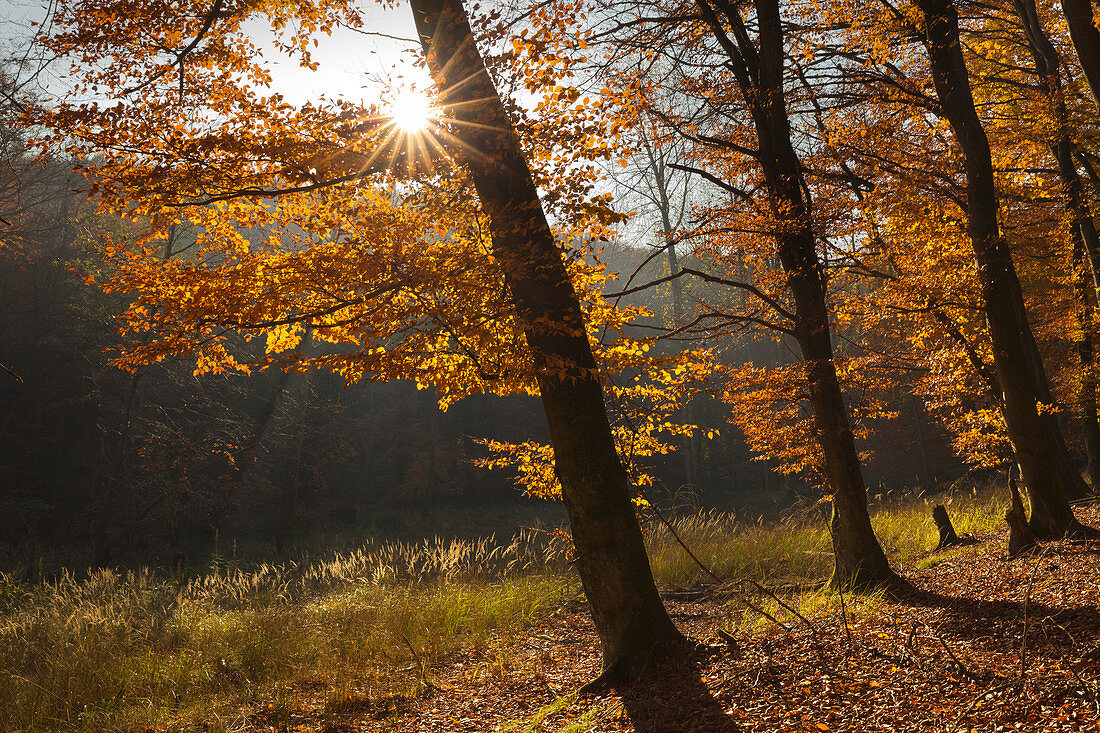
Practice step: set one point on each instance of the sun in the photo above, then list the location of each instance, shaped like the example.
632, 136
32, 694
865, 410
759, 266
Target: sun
411, 110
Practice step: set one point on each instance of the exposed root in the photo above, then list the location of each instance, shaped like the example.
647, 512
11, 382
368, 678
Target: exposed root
614, 674
1083, 532
865, 582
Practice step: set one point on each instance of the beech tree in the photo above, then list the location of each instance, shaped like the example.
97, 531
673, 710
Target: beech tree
759, 70
611, 560
1081, 19
728, 78
1082, 227
1043, 462
325, 224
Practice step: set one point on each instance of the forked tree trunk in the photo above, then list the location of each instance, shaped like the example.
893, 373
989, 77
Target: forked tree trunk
630, 619
668, 234
859, 558
1039, 451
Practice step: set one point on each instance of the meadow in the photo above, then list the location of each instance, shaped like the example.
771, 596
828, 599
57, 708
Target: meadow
126, 650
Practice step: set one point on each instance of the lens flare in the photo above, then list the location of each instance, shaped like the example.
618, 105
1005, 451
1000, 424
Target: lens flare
411, 110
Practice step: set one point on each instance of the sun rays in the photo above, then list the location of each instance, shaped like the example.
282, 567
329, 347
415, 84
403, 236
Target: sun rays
412, 111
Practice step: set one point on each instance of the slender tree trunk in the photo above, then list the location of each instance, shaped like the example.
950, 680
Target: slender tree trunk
668, 233
630, 619
1086, 40
105, 533
1042, 457
860, 560
915, 408
1086, 357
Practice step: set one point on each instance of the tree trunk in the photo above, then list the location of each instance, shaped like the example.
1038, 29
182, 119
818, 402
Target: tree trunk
1086, 40
926, 465
1041, 455
630, 619
1020, 538
860, 560
948, 536
104, 530
1082, 232
1086, 357
668, 234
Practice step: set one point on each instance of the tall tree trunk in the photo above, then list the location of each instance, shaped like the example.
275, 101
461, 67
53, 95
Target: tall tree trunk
1083, 232
630, 619
668, 234
1086, 357
104, 530
926, 465
860, 560
1086, 40
1041, 455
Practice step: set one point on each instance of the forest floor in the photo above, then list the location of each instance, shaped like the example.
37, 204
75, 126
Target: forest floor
980, 643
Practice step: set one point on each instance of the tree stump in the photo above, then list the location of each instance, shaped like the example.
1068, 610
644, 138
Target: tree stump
948, 536
1020, 539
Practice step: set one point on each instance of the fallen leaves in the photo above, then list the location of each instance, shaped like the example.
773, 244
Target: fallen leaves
943, 656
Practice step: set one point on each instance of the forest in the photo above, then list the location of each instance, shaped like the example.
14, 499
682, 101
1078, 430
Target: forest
600, 365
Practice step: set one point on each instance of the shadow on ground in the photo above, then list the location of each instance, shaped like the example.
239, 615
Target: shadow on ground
1060, 627
672, 697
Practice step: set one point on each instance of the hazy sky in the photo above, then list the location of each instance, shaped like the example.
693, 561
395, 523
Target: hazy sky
350, 61
351, 64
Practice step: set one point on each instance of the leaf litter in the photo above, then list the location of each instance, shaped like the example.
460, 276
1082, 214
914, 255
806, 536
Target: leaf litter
975, 642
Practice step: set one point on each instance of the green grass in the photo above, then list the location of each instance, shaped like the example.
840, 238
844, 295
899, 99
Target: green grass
582, 723
365, 629
533, 724
791, 550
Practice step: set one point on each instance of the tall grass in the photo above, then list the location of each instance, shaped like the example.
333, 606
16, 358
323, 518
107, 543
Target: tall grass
796, 549
904, 526
791, 550
115, 651
361, 629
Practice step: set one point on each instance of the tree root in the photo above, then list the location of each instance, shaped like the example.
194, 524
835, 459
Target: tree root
614, 674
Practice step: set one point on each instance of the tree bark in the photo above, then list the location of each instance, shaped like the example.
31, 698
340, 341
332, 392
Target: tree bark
1020, 537
859, 558
948, 536
630, 619
1044, 463
1086, 40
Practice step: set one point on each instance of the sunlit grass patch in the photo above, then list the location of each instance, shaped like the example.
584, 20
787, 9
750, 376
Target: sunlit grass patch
117, 651
793, 550
534, 723
792, 611
905, 527
579, 721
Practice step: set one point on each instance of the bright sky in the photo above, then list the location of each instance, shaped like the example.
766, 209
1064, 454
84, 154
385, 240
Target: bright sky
352, 65
355, 65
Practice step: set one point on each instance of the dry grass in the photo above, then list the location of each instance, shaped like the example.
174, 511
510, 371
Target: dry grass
117, 651
121, 651
796, 549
